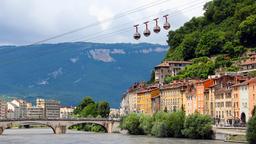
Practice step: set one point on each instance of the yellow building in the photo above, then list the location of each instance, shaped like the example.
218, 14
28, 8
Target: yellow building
173, 96
144, 100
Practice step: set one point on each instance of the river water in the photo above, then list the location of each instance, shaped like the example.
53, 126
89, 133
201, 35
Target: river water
46, 136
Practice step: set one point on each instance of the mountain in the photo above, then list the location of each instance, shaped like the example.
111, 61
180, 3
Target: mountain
70, 71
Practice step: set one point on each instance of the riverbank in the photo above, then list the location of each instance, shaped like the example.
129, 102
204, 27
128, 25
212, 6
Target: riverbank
46, 136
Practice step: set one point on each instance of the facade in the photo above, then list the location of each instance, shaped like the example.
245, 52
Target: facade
66, 112
3, 109
22, 105
114, 113
52, 109
129, 99
252, 95
169, 68
173, 96
155, 99
35, 113
13, 111
249, 64
144, 102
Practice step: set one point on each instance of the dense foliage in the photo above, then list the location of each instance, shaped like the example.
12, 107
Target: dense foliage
204, 66
226, 31
251, 130
163, 124
198, 126
227, 27
89, 108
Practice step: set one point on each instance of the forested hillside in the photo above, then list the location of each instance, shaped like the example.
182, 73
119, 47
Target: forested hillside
225, 32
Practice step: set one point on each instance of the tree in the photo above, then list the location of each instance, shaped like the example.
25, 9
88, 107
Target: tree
146, 123
210, 43
177, 120
85, 102
160, 129
247, 31
103, 109
132, 124
89, 110
198, 126
251, 130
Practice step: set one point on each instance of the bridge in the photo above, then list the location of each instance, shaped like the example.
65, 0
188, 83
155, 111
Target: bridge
60, 126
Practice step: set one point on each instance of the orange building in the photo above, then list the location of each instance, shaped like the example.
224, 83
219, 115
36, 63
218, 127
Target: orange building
252, 95
201, 98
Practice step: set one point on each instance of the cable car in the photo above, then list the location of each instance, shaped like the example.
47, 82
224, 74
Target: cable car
137, 34
157, 28
166, 24
146, 31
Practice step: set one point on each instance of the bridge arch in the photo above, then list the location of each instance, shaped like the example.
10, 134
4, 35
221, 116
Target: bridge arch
102, 124
26, 123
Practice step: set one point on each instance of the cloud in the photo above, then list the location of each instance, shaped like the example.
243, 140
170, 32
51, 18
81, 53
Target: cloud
101, 13
56, 73
118, 51
74, 60
43, 82
77, 81
101, 55
150, 50
24, 22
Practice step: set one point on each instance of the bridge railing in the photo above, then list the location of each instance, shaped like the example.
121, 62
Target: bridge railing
61, 119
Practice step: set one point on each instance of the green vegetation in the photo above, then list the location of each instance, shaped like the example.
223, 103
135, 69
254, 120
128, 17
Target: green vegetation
198, 126
89, 108
163, 124
225, 32
251, 131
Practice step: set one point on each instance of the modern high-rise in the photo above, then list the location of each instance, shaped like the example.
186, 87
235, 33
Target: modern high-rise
51, 108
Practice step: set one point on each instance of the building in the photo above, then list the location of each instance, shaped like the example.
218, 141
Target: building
173, 96
144, 101
252, 95
22, 107
129, 99
248, 64
202, 97
155, 99
190, 102
114, 113
51, 108
13, 111
169, 68
3, 109
35, 113
66, 112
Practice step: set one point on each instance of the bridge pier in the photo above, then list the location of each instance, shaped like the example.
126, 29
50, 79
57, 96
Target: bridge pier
1, 130
59, 129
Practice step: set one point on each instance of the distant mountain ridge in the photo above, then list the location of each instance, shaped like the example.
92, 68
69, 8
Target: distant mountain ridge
69, 71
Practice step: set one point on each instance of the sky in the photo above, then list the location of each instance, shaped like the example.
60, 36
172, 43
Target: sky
24, 22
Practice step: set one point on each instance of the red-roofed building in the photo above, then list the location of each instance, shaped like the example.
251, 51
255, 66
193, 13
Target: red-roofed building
169, 68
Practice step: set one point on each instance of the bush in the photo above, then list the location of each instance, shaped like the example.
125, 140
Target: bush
132, 124
198, 126
160, 129
146, 123
177, 120
251, 130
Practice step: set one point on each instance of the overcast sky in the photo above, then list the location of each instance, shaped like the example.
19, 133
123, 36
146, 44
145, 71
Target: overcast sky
27, 21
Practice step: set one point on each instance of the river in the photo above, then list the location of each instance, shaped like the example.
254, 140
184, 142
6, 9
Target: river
46, 136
